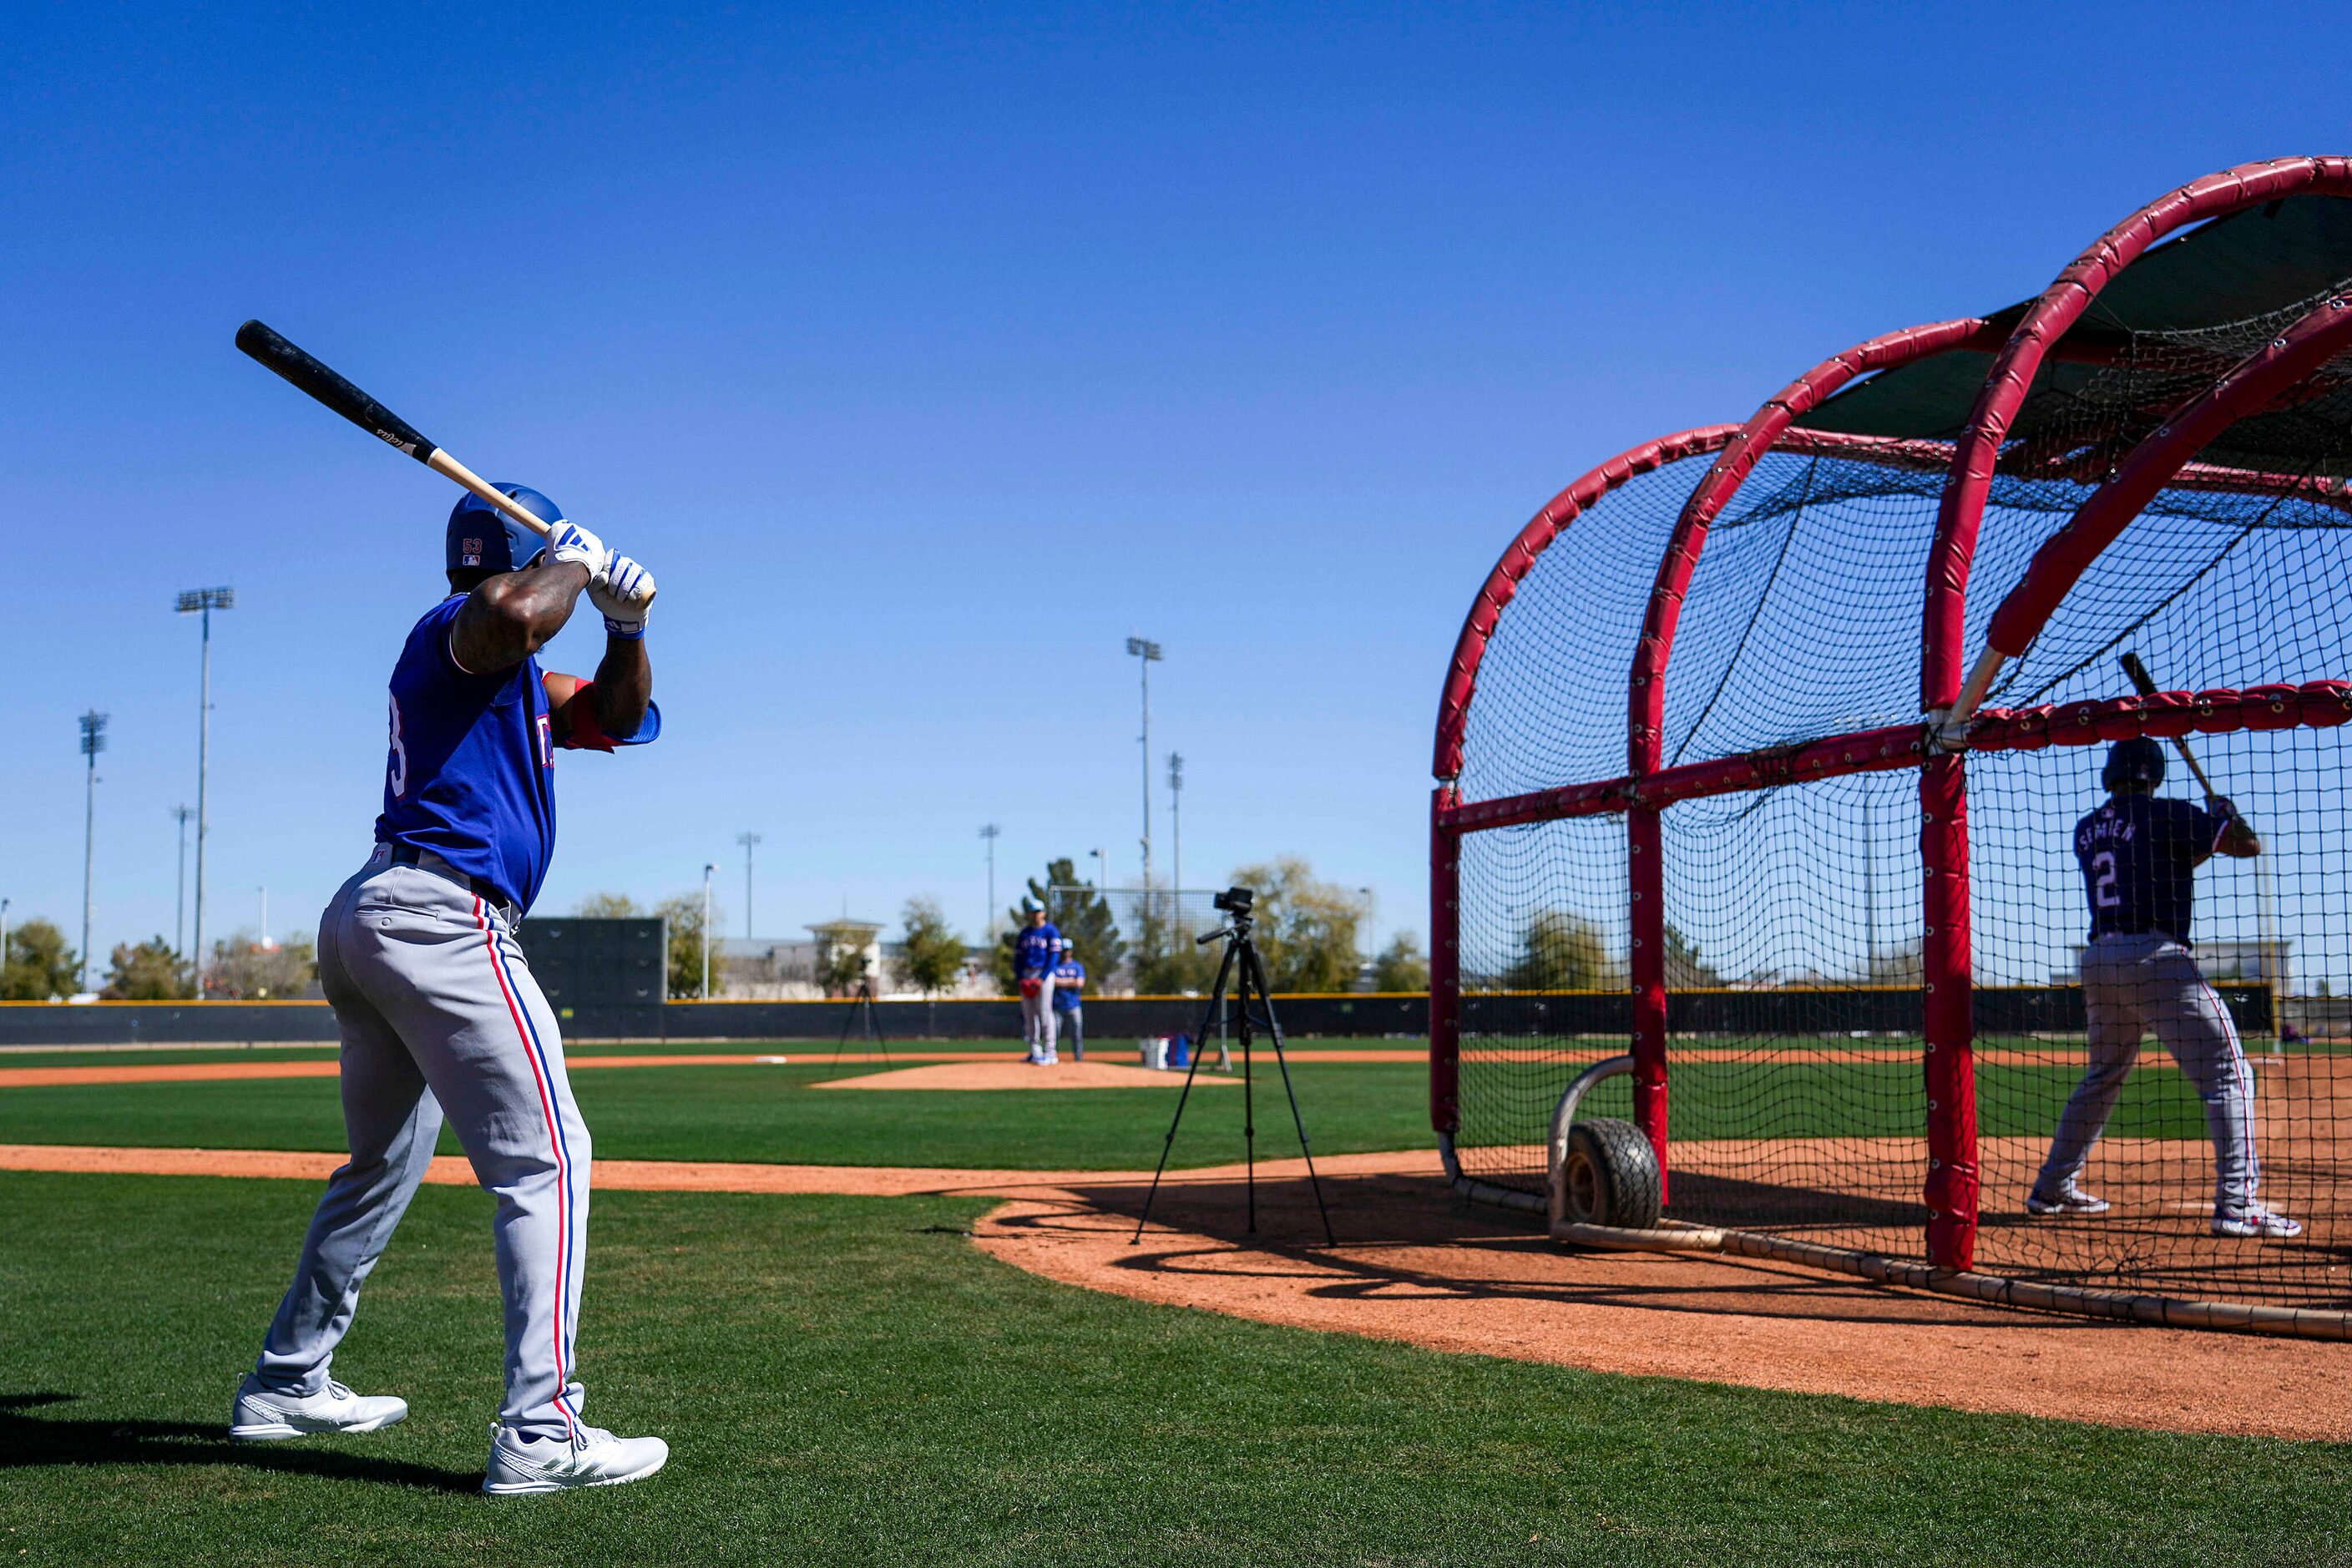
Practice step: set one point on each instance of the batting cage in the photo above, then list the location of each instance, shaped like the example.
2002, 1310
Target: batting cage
1904, 832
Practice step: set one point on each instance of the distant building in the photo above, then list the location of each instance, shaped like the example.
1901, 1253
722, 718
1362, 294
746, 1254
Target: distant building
772, 969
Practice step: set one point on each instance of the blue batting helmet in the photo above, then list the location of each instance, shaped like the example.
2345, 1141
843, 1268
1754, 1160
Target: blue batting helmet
483, 538
2137, 759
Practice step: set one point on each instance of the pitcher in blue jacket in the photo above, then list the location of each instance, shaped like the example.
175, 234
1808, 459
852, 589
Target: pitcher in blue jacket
1035, 951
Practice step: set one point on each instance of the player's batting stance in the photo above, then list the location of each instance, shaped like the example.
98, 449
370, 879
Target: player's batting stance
438, 1011
2139, 853
1035, 951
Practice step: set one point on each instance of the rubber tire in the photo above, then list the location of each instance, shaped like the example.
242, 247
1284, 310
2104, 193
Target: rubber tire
1610, 1175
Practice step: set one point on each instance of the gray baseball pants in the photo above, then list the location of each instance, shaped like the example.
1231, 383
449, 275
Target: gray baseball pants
439, 1013
2132, 985
1072, 1024
1037, 1019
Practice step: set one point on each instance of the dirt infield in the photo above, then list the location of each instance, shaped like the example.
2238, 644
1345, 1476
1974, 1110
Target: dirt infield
1415, 1265
1021, 1075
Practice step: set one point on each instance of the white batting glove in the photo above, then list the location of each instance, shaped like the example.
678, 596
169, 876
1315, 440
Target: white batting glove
569, 542
624, 594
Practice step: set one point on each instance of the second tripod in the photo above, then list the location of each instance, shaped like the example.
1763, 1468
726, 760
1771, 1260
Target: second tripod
1245, 973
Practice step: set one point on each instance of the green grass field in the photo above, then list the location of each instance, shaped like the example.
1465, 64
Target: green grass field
771, 1113
848, 1381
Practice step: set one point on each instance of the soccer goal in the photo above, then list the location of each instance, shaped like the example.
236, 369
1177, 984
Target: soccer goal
1761, 762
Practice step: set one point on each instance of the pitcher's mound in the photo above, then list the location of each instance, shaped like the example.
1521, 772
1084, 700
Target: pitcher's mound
1020, 1075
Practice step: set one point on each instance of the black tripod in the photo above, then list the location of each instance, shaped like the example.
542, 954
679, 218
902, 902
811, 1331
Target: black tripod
1243, 970
862, 1017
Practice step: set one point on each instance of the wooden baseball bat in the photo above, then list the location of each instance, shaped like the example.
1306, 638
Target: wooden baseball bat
271, 349
2146, 683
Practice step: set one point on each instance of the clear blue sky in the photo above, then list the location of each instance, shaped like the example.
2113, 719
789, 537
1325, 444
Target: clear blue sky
926, 355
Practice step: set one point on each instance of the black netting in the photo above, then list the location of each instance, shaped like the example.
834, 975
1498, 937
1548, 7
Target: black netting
1797, 1099
2270, 949
1550, 704
1543, 950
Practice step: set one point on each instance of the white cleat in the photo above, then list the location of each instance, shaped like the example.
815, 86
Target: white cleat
262, 1416
2070, 1199
2257, 1225
595, 1458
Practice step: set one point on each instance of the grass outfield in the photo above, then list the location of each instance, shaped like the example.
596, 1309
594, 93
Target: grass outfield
849, 1380
771, 1115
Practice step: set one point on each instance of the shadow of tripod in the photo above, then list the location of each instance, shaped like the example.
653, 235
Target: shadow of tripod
1242, 970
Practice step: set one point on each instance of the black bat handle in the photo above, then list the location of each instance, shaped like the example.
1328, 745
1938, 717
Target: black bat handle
268, 347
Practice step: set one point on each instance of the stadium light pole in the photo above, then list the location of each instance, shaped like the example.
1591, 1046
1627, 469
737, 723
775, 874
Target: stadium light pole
1101, 859
202, 602
1147, 653
707, 868
93, 741
749, 841
180, 814
989, 834
1176, 820
3, 950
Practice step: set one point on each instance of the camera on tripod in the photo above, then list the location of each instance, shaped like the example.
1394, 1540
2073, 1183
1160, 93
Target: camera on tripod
1234, 901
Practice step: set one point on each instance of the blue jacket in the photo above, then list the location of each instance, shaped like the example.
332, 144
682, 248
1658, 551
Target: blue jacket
1035, 951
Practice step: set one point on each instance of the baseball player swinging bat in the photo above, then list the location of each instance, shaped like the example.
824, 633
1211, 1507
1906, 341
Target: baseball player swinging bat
268, 347
2139, 853
442, 1022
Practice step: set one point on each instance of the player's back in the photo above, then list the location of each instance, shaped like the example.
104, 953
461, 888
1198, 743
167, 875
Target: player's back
470, 771
2139, 856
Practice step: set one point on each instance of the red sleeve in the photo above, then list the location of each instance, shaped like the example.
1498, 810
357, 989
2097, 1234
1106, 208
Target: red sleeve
582, 732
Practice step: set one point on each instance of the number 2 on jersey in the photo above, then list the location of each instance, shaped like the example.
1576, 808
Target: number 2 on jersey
2102, 880
399, 764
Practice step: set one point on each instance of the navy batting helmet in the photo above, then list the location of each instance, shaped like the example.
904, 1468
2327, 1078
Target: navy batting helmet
2135, 760
482, 538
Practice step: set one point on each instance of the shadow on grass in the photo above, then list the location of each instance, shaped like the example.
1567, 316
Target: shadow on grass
26, 1441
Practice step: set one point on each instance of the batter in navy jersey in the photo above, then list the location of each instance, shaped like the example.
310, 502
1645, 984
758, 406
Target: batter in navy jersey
2139, 853
439, 1015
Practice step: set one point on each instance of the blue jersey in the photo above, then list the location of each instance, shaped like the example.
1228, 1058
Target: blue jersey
1068, 976
2139, 855
1035, 951
471, 774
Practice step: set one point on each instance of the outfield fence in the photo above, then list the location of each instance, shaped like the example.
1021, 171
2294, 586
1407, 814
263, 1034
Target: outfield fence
1111, 1022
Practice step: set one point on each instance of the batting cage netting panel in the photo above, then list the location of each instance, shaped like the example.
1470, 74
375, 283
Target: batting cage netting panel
1723, 839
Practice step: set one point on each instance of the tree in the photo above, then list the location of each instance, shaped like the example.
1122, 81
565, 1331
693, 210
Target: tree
684, 935
1685, 970
931, 956
608, 906
150, 971
1306, 929
1562, 951
844, 954
39, 964
1168, 961
1084, 917
1401, 966
244, 969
